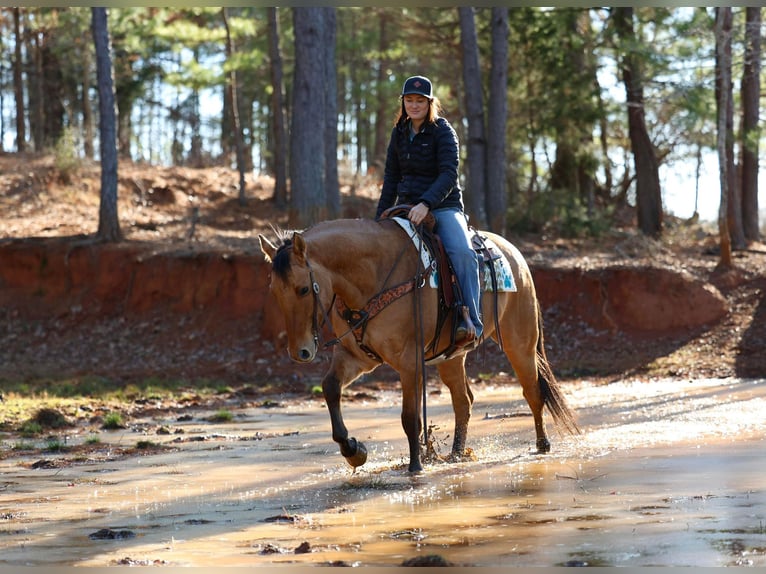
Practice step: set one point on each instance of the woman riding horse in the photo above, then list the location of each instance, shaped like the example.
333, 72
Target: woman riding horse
422, 170
356, 264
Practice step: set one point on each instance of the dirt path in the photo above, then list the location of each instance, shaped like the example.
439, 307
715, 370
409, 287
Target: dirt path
667, 473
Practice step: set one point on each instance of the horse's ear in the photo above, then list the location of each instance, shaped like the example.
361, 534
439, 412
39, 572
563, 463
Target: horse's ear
268, 248
299, 248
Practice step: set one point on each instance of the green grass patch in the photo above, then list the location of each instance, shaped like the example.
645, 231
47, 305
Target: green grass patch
105, 388
113, 421
222, 416
55, 445
30, 429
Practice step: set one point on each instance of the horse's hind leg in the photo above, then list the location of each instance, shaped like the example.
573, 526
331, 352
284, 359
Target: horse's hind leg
521, 350
453, 375
526, 371
343, 370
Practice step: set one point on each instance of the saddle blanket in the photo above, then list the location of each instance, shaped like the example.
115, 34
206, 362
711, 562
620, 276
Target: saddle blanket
503, 272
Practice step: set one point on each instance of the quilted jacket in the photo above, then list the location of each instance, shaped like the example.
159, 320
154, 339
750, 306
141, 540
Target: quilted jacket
423, 168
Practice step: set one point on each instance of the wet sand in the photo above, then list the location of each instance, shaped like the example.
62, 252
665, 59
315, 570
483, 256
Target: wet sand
666, 473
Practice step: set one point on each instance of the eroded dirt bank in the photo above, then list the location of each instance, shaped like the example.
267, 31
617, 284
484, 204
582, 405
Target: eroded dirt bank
667, 473
132, 310
182, 297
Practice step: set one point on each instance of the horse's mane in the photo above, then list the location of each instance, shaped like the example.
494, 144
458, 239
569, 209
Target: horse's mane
284, 241
280, 265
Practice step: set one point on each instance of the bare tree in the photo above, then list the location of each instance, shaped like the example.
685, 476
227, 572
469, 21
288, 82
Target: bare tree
277, 111
497, 195
331, 183
751, 88
382, 124
108, 220
473, 93
87, 111
308, 198
18, 86
723, 79
648, 191
233, 95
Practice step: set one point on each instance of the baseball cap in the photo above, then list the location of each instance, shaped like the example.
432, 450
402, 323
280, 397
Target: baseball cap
417, 85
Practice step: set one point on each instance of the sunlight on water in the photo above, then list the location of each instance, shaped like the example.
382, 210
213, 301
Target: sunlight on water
664, 474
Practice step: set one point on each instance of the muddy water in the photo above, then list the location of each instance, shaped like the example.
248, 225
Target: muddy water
666, 473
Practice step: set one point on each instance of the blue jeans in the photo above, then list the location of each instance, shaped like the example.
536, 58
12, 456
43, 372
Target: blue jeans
452, 227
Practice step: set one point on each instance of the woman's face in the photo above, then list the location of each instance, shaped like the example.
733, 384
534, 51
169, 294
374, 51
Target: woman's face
416, 106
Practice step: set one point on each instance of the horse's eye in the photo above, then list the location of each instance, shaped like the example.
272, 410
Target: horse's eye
303, 291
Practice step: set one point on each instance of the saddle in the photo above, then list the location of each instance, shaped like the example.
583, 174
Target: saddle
450, 297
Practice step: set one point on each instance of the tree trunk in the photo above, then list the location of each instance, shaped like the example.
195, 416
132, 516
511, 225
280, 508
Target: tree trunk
87, 110
195, 123
307, 140
108, 220
231, 85
18, 86
331, 183
476, 146
751, 88
382, 121
648, 192
277, 112
53, 90
723, 93
726, 84
279, 131
497, 194
35, 90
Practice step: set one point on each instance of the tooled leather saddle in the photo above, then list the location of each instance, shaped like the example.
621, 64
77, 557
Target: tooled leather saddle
450, 297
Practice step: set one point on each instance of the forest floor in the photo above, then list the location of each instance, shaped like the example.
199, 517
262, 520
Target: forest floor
165, 207
160, 441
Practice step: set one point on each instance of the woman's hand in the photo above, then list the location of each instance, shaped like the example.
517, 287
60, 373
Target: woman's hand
418, 213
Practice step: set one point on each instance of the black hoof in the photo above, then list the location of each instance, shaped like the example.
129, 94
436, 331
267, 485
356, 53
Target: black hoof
355, 453
543, 446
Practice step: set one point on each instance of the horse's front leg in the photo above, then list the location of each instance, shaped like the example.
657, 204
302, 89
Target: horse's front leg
343, 371
453, 375
411, 419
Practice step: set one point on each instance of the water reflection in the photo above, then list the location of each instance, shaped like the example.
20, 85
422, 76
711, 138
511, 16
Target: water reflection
629, 492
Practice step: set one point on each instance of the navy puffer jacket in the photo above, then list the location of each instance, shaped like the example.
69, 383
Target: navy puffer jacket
424, 169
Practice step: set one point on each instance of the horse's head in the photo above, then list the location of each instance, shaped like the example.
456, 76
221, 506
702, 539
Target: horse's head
297, 293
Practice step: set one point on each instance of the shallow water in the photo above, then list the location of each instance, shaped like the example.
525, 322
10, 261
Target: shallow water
666, 473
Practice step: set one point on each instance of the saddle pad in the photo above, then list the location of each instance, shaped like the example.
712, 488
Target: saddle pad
503, 271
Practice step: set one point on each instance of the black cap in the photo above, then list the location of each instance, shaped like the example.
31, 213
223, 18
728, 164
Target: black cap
418, 85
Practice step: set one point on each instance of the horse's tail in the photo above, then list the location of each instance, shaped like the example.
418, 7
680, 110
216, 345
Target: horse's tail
549, 386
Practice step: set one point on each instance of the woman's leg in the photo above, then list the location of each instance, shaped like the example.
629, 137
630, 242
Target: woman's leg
452, 227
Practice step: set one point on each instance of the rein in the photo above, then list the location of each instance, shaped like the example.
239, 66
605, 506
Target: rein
357, 319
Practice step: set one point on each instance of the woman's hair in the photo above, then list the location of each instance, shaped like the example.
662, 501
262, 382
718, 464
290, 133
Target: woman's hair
434, 110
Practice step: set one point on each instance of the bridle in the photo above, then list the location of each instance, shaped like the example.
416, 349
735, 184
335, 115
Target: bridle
317, 308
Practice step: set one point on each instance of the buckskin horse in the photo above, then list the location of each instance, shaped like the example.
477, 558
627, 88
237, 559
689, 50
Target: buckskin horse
365, 279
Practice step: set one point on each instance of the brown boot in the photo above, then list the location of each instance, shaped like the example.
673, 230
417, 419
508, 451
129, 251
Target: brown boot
466, 330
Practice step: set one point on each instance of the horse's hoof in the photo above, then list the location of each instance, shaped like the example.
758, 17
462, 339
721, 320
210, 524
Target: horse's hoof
415, 468
359, 455
543, 446
464, 455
